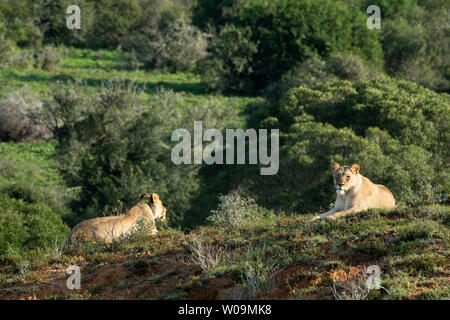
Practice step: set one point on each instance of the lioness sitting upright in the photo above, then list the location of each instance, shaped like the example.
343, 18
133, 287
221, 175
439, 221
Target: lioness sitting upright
110, 228
356, 193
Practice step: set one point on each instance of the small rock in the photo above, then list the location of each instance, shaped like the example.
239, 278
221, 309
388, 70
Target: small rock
9, 281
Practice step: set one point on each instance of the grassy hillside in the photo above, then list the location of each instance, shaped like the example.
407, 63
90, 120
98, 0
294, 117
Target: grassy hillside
97, 67
267, 257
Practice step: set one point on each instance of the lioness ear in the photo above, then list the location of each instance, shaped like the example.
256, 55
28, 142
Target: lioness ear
155, 197
334, 166
355, 168
145, 196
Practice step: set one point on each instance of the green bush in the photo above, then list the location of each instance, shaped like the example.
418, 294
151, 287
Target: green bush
214, 13
48, 58
21, 22
53, 16
313, 71
396, 130
402, 44
230, 60
103, 23
177, 46
391, 9
25, 226
6, 48
348, 67
307, 74
416, 42
116, 147
130, 61
233, 210
268, 38
20, 119
114, 20
409, 113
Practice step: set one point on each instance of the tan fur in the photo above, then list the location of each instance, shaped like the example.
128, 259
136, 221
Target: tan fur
358, 193
111, 228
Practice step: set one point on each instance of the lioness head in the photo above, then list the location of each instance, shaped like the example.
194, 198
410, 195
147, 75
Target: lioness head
344, 177
159, 211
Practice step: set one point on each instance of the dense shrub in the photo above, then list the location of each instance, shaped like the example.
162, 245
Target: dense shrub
177, 46
103, 23
410, 113
416, 42
25, 226
116, 148
396, 130
230, 60
233, 209
48, 58
348, 67
268, 38
307, 74
6, 49
21, 21
402, 44
214, 13
33, 23
115, 20
20, 120
56, 198
130, 61
314, 70
283, 33
391, 9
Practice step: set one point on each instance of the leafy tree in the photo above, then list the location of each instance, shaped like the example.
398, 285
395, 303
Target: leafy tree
214, 13
115, 147
268, 38
25, 226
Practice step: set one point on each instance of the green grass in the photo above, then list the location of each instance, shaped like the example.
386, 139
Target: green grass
285, 251
96, 67
29, 163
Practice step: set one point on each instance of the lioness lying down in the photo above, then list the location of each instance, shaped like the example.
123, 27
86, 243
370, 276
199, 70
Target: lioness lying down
111, 228
356, 193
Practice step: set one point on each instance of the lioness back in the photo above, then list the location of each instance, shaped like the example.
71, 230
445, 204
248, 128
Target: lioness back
110, 228
385, 198
104, 229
